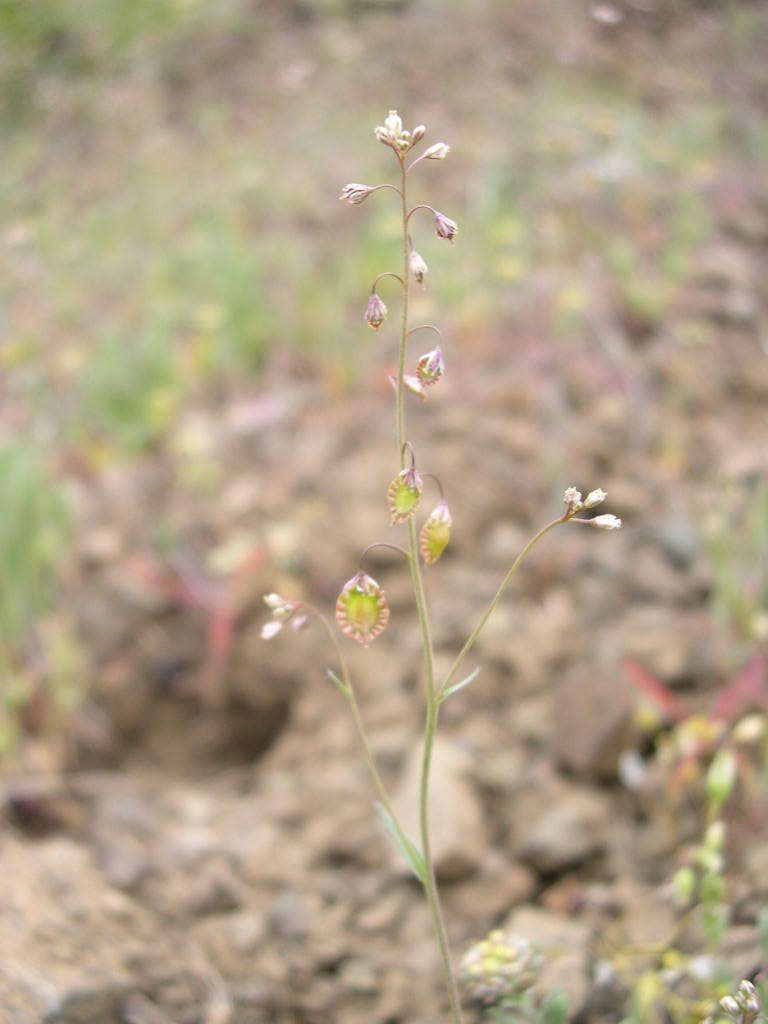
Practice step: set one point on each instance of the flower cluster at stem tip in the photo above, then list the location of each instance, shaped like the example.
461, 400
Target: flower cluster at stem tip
743, 1007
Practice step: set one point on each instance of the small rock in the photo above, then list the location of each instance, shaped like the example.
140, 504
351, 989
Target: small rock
500, 885
457, 827
569, 830
679, 541
742, 949
124, 862
358, 976
137, 1009
290, 914
564, 943
646, 920
593, 723
677, 648
383, 913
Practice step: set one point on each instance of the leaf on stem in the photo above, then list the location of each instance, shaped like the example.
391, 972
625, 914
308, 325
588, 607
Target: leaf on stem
460, 686
340, 686
408, 849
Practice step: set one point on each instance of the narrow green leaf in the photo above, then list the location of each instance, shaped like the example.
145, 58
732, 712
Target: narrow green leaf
555, 1009
340, 686
460, 686
408, 849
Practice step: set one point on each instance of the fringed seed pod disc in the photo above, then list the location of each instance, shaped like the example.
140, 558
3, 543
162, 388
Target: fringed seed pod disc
361, 609
404, 494
430, 367
412, 384
435, 534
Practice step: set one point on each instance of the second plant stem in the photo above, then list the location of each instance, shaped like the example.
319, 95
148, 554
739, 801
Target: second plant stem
430, 883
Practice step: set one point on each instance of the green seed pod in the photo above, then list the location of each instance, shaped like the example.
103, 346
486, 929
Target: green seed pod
721, 778
361, 609
404, 494
684, 886
435, 534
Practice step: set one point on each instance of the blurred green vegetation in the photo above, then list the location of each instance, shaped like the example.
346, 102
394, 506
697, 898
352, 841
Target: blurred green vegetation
168, 188
737, 538
33, 537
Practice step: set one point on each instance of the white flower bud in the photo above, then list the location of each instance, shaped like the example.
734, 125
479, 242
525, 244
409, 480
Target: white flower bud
729, 1004
751, 729
418, 267
606, 522
439, 151
596, 497
355, 193
721, 777
418, 133
273, 601
572, 498
445, 227
270, 629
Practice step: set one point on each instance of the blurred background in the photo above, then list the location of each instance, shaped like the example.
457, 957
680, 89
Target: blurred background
194, 413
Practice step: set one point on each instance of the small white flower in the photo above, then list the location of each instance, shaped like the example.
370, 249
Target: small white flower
439, 151
299, 622
273, 601
596, 497
270, 629
750, 729
418, 267
606, 522
729, 1004
572, 498
393, 124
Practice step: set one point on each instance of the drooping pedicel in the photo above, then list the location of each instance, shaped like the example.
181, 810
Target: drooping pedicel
361, 609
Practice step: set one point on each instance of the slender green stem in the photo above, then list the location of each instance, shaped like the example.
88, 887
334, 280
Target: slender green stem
499, 594
421, 206
394, 188
354, 707
430, 882
426, 327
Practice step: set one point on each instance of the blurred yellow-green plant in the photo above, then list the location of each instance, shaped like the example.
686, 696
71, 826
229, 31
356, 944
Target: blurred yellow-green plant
34, 532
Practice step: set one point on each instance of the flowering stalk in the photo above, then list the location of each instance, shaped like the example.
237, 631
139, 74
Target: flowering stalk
362, 612
430, 725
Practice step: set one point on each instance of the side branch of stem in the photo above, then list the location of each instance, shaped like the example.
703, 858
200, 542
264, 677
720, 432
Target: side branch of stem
497, 597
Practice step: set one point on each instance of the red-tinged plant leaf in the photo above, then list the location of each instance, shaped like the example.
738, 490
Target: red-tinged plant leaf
155, 576
247, 567
686, 772
655, 691
747, 690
